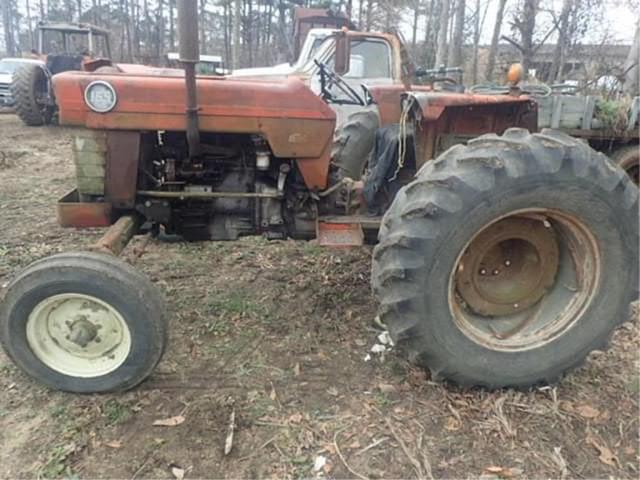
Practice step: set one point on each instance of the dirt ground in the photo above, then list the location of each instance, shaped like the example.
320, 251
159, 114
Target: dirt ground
277, 334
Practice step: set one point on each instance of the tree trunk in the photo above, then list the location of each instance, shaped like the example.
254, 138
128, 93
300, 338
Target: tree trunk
455, 58
631, 84
225, 27
555, 73
160, 30
31, 42
7, 22
527, 26
203, 32
493, 49
249, 34
172, 26
476, 42
414, 26
441, 52
430, 32
235, 47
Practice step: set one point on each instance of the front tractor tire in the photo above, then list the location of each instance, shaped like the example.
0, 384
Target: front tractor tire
29, 90
83, 322
506, 261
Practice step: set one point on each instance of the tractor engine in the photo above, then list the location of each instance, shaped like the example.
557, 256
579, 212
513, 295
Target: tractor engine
235, 187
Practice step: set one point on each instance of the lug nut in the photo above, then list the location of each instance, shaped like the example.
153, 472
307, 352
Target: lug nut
507, 263
496, 271
483, 271
516, 305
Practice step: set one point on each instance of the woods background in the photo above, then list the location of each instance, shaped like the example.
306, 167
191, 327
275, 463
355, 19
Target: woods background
472, 33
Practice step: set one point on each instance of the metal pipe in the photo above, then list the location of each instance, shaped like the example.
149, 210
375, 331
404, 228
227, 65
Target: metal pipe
118, 235
189, 57
181, 195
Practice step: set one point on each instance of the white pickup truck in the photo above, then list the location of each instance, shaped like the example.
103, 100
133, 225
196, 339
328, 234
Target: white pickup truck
8, 67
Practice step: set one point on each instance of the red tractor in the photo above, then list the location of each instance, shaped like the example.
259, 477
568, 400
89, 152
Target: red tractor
503, 257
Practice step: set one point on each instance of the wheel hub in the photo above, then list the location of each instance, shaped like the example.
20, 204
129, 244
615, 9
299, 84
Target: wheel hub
82, 331
509, 266
78, 335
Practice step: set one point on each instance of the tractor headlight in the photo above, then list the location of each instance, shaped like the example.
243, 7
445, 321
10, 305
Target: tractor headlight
100, 96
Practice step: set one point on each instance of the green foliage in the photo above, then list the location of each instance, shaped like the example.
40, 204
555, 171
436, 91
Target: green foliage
116, 412
612, 113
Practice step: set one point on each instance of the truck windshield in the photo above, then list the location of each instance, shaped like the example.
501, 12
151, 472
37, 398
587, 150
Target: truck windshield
370, 58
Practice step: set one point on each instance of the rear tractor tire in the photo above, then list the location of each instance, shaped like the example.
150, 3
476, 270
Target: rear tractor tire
506, 261
83, 322
29, 91
628, 158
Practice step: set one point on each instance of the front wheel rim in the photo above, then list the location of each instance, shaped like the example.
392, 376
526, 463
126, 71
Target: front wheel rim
549, 305
78, 335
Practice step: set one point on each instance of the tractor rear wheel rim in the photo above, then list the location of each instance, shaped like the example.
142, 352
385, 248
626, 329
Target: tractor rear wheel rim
524, 279
78, 335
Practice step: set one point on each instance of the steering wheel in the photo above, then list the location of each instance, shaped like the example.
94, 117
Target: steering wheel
339, 82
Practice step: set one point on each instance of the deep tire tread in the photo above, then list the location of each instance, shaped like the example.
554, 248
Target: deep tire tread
458, 173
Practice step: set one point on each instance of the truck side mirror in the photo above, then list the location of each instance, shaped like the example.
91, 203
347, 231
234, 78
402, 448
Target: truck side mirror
343, 53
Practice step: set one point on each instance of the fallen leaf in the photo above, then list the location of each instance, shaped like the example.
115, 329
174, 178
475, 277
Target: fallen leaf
177, 472
272, 394
453, 424
296, 370
333, 391
169, 422
501, 472
386, 388
587, 411
295, 418
493, 469
606, 455
114, 444
567, 406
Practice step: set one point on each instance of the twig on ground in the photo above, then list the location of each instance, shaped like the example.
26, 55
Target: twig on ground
228, 442
257, 450
344, 461
141, 467
416, 464
371, 445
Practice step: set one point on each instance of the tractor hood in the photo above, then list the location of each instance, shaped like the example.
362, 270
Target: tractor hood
5, 78
295, 122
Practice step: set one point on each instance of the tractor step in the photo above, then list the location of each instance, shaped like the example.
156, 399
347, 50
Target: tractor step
344, 231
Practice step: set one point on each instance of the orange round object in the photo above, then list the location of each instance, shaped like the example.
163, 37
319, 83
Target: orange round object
515, 73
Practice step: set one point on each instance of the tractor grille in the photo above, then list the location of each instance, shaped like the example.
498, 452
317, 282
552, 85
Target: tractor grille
5, 94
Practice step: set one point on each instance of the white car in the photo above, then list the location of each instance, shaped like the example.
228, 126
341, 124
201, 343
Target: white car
8, 66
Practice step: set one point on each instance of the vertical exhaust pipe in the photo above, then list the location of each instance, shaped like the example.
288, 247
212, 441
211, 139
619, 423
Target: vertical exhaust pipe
189, 57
